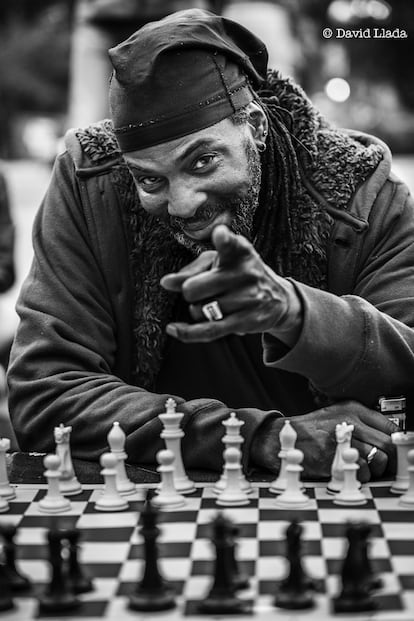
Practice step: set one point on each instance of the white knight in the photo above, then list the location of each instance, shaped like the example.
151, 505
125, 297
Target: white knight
68, 484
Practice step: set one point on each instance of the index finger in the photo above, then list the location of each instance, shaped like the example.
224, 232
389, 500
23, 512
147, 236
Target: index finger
230, 247
378, 421
174, 281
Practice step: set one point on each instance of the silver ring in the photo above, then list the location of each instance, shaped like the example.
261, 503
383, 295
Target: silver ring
212, 311
371, 454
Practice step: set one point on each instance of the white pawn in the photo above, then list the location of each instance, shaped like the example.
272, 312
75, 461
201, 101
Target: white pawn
168, 498
287, 438
6, 490
110, 499
293, 496
116, 440
407, 499
233, 494
53, 502
350, 493
4, 505
172, 435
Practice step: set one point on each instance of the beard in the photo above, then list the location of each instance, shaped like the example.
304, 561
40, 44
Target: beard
241, 206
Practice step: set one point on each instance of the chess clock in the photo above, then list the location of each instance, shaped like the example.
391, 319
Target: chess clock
394, 408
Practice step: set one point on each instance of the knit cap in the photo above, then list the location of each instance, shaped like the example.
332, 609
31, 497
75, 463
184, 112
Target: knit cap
181, 74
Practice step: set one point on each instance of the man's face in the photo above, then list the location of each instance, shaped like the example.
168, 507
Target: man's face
206, 178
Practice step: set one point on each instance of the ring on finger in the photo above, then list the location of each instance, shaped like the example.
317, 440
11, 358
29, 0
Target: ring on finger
212, 311
371, 454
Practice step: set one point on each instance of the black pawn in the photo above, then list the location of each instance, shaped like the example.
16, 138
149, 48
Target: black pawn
153, 592
59, 595
355, 595
222, 598
240, 579
6, 601
78, 578
373, 581
17, 581
295, 592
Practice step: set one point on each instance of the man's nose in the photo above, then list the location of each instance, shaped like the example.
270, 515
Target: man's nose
184, 199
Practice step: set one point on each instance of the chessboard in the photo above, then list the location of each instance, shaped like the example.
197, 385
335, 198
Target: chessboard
111, 551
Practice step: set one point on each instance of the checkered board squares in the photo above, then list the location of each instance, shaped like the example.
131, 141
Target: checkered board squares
112, 552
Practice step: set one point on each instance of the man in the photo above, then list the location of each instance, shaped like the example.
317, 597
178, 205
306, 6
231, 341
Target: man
221, 243
7, 266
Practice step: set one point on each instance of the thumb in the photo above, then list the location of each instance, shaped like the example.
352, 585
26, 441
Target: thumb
230, 247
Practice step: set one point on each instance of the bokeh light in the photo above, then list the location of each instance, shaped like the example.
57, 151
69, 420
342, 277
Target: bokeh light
338, 89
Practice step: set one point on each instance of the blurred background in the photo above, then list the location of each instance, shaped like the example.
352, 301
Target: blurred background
352, 57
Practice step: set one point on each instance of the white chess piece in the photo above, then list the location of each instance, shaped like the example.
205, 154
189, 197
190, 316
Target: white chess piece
293, 496
53, 501
404, 441
233, 495
287, 439
343, 434
172, 435
110, 499
68, 483
350, 493
6, 490
168, 498
407, 499
232, 438
116, 441
4, 505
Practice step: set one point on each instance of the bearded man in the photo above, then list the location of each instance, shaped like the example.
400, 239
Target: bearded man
219, 242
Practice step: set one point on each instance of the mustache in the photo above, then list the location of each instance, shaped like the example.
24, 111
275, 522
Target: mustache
204, 213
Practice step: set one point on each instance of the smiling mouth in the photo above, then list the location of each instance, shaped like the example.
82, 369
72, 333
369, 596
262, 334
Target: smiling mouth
199, 225
202, 229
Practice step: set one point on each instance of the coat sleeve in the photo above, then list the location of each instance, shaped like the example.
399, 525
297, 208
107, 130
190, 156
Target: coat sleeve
361, 346
7, 272
62, 360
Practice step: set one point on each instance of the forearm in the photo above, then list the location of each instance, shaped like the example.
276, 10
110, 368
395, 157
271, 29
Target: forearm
348, 348
91, 403
54, 379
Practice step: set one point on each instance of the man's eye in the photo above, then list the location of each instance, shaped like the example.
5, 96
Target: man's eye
203, 161
148, 182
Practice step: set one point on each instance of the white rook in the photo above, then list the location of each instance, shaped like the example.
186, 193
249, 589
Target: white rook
404, 441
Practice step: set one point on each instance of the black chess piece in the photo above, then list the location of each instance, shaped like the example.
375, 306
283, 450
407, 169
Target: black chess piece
78, 577
222, 598
356, 593
17, 581
240, 579
374, 581
153, 592
6, 601
59, 595
295, 592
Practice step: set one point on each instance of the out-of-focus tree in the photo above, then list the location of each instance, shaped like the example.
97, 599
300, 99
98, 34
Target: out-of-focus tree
34, 54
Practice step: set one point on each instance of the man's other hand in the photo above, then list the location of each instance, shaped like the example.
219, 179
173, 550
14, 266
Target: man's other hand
317, 439
252, 298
